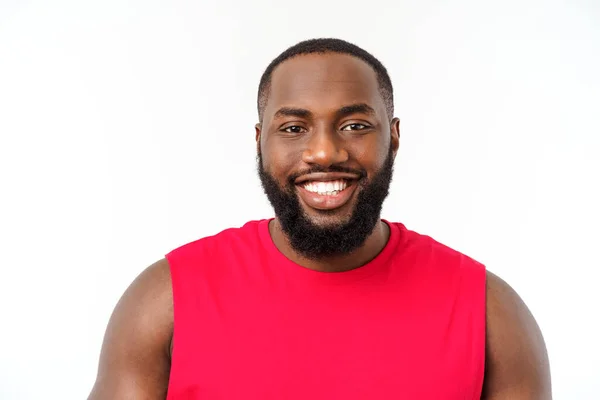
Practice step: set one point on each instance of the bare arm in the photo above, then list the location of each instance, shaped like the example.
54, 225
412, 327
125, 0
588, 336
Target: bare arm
517, 365
135, 357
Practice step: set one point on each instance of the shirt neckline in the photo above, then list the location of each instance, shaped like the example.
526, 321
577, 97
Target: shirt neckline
376, 264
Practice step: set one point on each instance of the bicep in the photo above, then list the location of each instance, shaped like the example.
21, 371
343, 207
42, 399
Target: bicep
135, 356
517, 365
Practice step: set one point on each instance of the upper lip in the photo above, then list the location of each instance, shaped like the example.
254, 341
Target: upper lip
325, 177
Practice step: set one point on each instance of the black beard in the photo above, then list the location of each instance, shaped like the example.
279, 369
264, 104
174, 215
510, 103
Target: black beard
313, 241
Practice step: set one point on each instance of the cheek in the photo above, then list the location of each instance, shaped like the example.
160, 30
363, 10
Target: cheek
278, 159
278, 163
371, 156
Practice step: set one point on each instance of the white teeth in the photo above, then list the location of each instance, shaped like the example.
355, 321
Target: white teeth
328, 188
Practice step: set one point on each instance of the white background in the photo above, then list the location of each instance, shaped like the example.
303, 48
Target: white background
127, 130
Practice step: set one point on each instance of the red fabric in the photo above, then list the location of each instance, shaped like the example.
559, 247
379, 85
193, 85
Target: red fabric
251, 324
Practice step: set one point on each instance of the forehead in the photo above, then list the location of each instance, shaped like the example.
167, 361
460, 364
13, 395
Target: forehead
323, 83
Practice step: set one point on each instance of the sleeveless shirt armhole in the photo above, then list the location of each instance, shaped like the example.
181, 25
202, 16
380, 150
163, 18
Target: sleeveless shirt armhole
479, 276
176, 280
473, 277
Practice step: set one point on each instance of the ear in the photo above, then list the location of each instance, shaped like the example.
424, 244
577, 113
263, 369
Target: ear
395, 135
258, 130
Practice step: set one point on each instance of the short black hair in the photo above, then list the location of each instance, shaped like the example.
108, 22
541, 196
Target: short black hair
328, 45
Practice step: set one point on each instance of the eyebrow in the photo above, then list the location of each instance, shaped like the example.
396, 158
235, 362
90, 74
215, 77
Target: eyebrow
358, 108
293, 112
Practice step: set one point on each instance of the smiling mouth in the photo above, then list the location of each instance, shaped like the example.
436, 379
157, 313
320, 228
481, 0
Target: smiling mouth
329, 188
326, 195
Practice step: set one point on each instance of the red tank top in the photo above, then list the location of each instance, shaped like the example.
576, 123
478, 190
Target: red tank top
251, 324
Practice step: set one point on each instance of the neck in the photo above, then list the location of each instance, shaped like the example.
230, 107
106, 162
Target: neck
372, 246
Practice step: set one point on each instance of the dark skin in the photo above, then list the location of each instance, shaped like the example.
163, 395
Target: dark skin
135, 358
327, 114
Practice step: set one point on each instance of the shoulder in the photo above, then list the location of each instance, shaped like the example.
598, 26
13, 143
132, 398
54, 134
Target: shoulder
507, 313
414, 240
135, 356
429, 251
148, 303
225, 238
148, 299
516, 358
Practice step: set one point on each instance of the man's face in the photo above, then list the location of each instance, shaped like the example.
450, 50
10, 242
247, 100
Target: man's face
326, 148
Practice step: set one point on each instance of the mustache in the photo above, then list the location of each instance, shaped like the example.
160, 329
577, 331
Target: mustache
334, 168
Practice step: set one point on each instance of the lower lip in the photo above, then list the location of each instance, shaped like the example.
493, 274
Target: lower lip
327, 202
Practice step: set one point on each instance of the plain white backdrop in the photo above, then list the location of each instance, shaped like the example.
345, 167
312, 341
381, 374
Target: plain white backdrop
127, 130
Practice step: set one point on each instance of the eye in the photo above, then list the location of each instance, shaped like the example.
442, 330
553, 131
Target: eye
355, 127
294, 129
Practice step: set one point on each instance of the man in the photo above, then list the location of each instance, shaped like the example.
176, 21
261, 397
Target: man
327, 300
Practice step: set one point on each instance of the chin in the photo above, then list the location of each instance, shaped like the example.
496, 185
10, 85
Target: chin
328, 218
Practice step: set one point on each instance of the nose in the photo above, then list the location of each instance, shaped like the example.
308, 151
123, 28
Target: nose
325, 148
